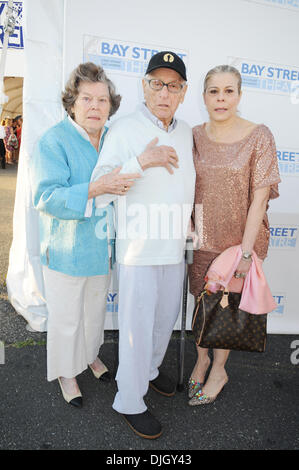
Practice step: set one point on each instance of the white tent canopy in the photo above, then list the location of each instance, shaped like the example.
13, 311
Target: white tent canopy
13, 89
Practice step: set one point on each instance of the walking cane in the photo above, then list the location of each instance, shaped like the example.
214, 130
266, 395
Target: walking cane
188, 260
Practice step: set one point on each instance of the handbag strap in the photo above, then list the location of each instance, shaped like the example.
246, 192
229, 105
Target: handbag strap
198, 299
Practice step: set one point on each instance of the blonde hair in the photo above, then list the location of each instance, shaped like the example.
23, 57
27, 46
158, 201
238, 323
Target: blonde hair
223, 69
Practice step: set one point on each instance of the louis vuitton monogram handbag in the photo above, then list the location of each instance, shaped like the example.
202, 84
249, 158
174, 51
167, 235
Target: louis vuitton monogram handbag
219, 323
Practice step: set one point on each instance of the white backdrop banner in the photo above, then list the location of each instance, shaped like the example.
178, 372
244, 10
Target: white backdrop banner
122, 37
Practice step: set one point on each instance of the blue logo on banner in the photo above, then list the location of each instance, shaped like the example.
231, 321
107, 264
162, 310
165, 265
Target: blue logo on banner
277, 79
283, 236
112, 305
16, 40
280, 299
288, 162
288, 4
285, 3
120, 56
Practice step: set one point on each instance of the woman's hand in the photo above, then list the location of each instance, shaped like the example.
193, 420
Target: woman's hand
161, 155
243, 268
112, 183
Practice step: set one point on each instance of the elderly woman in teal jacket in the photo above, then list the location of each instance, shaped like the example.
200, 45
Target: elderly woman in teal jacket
76, 252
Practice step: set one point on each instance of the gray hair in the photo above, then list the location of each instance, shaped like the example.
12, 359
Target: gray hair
223, 69
92, 73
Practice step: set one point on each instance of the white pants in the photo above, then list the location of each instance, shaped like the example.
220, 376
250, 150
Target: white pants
77, 310
149, 304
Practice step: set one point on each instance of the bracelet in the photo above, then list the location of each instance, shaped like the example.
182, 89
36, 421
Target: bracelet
246, 256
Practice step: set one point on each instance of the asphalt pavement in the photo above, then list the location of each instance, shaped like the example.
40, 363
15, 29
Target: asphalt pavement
257, 410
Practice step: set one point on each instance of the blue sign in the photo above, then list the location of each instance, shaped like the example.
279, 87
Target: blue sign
16, 40
271, 78
287, 4
112, 304
288, 162
283, 236
280, 299
121, 56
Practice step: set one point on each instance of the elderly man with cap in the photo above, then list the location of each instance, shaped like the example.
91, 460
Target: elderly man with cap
150, 263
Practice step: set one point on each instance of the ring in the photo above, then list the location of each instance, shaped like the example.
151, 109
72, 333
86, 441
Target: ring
239, 275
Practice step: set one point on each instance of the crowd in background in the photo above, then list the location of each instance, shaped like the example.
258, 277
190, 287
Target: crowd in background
10, 140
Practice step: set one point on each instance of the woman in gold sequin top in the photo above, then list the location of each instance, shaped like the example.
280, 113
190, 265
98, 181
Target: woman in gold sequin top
237, 174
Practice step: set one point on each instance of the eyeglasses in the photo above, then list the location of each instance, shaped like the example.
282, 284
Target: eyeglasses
172, 87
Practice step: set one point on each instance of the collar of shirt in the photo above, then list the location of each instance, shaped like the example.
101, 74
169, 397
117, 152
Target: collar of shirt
83, 132
156, 121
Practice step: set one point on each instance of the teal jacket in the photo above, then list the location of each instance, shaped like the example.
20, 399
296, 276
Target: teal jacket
60, 173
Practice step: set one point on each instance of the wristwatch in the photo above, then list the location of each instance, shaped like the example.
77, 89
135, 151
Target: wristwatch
246, 256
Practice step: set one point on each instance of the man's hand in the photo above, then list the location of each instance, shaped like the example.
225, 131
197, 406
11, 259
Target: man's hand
112, 183
161, 155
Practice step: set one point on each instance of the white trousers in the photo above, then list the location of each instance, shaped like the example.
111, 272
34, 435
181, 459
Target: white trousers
149, 304
77, 311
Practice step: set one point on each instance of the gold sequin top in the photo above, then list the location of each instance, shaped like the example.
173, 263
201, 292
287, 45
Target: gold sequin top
227, 174
226, 177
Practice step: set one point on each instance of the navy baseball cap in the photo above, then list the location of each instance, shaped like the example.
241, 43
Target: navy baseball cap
169, 60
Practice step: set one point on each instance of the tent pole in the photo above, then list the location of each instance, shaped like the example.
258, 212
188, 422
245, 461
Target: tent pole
9, 26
